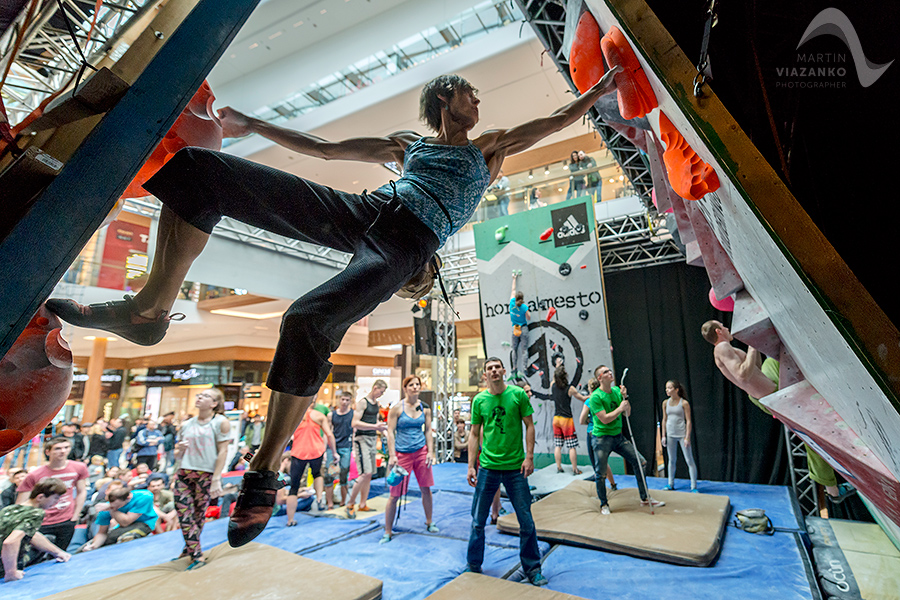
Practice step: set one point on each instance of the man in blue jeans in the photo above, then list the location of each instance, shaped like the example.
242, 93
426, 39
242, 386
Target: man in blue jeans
495, 442
608, 403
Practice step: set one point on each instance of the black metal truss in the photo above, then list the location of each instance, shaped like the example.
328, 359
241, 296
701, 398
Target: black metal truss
548, 20
47, 56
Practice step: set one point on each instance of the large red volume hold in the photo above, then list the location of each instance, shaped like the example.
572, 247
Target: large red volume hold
689, 176
35, 380
585, 59
195, 126
636, 97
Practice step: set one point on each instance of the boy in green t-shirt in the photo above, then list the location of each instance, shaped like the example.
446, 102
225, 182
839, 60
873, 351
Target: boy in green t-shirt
19, 524
608, 403
495, 443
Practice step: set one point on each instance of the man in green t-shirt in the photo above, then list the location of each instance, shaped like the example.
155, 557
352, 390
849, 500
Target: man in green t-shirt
495, 443
19, 524
608, 403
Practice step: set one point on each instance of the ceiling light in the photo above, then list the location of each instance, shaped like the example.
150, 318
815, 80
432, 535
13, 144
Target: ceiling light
547, 170
253, 45
275, 35
298, 23
531, 174
323, 11
621, 177
565, 166
611, 180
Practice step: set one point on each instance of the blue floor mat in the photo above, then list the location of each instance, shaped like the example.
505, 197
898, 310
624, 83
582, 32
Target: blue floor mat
452, 513
749, 567
415, 564
412, 566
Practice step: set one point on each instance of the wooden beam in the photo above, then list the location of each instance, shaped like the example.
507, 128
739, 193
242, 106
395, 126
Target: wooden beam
42, 245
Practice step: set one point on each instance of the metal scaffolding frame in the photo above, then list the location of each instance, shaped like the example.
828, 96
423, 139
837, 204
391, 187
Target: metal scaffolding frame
548, 20
801, 482
47, 58
443, 371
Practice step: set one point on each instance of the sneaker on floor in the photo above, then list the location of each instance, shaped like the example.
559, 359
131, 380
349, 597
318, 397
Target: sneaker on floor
604, 510
472, 569
384, 539
669, 487
695, 491
432, 528
365, 508
320, 504
537, 579
591, 477
196, 564
651, 502
613, 487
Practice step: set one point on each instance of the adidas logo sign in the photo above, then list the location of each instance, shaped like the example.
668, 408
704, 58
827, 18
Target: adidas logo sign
570, 227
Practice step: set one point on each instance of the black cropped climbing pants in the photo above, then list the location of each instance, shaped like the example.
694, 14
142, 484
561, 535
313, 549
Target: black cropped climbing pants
389, 245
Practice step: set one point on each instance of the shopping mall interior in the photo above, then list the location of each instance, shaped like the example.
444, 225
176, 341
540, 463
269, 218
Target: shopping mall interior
762, 250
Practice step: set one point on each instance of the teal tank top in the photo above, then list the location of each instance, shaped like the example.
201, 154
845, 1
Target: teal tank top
441, 184
409, 436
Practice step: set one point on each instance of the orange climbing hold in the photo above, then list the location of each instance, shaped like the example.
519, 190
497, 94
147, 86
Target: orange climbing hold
195, 126
636, 97
585, 59
690, 177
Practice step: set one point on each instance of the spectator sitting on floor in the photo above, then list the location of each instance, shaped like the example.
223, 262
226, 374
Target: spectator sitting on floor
139, 475
163, 501
100, 486
165, 498
16, 477
19, 524
239, 463
132, 511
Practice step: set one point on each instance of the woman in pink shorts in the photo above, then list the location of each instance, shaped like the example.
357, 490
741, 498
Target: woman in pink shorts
410, 445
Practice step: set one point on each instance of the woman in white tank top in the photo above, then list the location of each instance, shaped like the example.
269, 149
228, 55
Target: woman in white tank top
676, 431
201, 450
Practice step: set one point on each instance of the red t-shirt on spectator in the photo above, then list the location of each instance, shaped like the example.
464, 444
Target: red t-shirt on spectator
64, 510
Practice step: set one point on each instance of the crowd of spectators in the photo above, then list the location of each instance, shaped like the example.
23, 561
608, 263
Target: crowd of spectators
114, 481
111, 483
